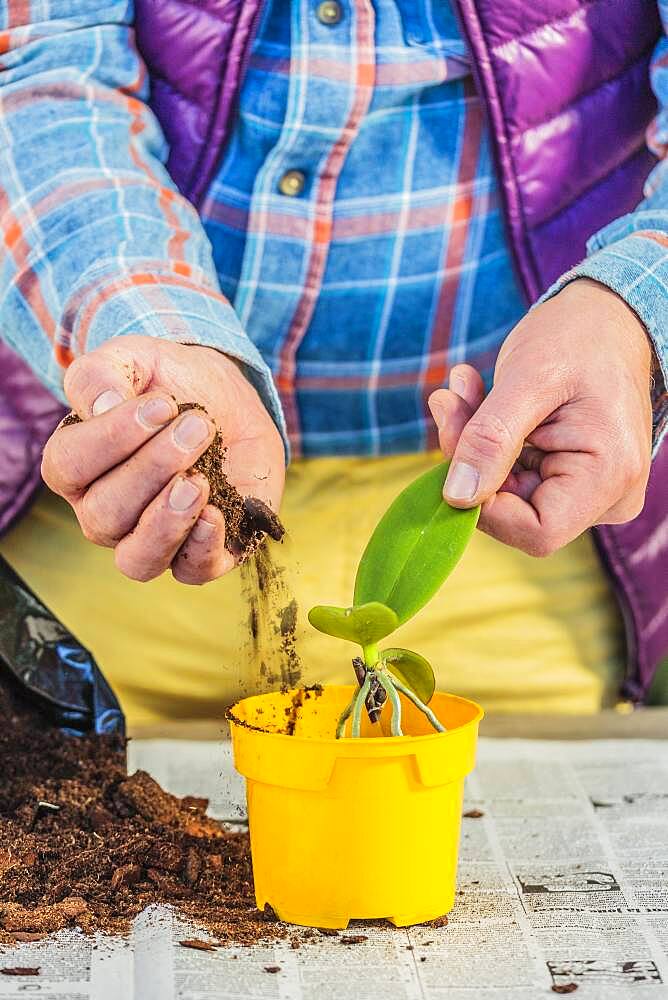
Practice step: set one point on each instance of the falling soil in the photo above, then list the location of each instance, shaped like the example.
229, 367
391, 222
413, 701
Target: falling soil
112, 846
247, 519
272, 624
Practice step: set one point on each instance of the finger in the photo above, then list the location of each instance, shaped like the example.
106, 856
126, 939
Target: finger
112, 506
531, 458
96, 382
566, 503
203, 556
521, 482
451, 414
148, 550
76, 455
467, 383
493, 438
452, 408
525, 475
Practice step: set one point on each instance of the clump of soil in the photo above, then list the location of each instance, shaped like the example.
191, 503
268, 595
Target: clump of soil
247, 519
70, 419
112, 845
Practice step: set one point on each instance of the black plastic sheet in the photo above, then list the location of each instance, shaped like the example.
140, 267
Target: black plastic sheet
49, 666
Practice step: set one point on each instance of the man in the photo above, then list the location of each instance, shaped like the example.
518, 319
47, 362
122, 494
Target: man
351, 184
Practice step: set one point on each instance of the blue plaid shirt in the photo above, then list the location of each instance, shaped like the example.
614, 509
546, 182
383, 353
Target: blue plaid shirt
353, 228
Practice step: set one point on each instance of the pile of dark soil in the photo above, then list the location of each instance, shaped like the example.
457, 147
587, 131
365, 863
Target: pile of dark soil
82, 844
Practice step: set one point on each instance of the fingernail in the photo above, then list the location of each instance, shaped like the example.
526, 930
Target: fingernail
202, 530
457, 384
438, 413
155, 412
462, 482
106, 401
190, 432
183, 494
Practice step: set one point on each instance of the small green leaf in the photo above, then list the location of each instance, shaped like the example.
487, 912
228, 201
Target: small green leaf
412, 670
416, 545
365, 624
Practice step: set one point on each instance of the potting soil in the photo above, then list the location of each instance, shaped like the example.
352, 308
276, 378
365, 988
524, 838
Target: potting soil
82, 844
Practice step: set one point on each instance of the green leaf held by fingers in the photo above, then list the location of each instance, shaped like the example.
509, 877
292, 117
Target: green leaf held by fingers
416, 545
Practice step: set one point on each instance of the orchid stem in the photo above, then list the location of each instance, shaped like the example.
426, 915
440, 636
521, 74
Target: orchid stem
418, 704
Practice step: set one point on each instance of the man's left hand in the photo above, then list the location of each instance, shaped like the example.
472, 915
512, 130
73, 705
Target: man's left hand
563, 439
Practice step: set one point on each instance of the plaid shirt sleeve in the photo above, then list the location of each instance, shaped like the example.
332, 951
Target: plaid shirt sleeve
630, 255
95, 239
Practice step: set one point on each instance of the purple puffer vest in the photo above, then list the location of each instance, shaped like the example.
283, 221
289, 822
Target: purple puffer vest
566, 88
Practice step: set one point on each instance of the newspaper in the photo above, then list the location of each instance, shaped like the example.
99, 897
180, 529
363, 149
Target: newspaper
563, 880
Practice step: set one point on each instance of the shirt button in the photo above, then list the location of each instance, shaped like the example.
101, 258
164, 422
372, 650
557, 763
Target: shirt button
292, 183
329, 12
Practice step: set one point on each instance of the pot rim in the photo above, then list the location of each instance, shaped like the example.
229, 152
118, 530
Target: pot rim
352, 742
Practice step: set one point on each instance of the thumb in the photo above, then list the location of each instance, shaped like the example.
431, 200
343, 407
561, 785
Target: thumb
492, 440
100, 380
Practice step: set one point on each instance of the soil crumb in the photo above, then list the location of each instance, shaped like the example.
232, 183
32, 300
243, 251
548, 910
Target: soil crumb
115, 845
247, 519
70, 419
197, 944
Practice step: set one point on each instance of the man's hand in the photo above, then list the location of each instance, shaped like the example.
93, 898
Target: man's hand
124, 468
563, 440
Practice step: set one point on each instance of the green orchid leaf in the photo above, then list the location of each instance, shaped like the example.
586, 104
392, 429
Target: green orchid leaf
416, 545
365, 624
412, 670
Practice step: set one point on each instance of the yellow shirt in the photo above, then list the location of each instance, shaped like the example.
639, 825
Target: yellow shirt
514, 633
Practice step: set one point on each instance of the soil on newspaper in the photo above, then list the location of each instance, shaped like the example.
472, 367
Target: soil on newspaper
82, 844
247, 519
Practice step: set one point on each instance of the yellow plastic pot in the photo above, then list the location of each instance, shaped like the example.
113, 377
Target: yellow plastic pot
353, 828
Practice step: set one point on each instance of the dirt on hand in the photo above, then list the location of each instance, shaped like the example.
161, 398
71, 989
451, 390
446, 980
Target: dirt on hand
247, 519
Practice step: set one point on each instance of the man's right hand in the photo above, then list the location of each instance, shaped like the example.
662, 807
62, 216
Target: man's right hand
124, 469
